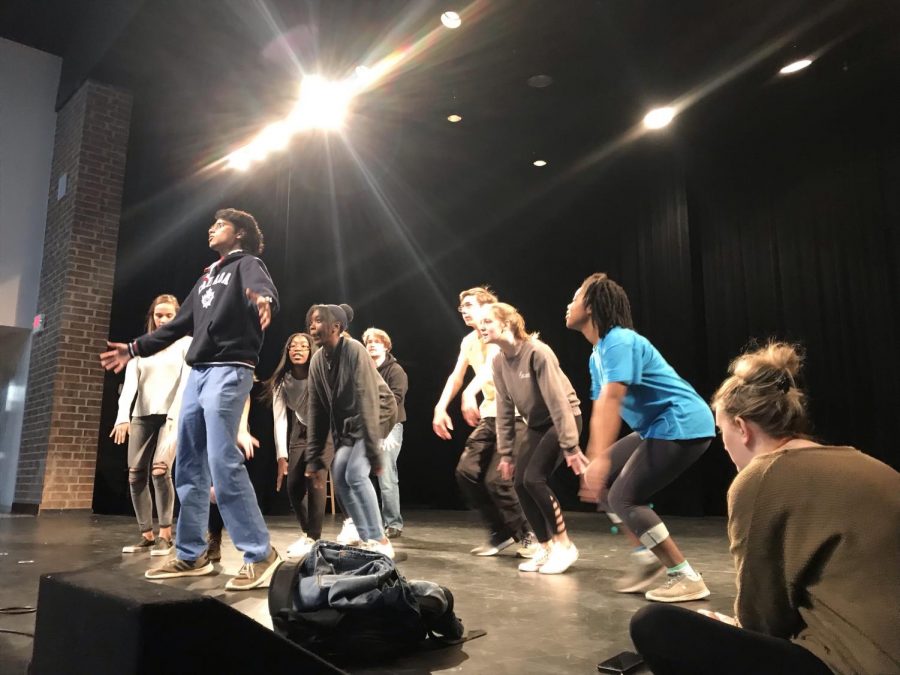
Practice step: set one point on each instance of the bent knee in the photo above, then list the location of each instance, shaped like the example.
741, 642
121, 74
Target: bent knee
160, 469
136, 475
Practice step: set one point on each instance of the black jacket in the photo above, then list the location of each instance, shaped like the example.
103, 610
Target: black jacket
224, 323
358, 406
395, 377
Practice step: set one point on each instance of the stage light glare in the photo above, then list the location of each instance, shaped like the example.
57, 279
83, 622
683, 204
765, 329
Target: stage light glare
322, 104
539, 162
451, 20
454, 118
239, 160
796, 66
274, 137
659, 118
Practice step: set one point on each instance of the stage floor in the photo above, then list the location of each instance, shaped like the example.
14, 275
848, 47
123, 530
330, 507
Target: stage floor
535, 623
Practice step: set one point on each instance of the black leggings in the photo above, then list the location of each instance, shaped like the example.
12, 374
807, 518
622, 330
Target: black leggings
537, 459
641, 468
678, 640
307, 500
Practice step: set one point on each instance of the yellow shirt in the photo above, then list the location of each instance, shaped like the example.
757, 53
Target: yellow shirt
479, 357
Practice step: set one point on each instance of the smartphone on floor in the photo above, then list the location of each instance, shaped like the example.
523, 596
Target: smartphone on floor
623, 662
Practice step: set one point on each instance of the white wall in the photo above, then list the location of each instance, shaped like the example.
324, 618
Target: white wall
28, 84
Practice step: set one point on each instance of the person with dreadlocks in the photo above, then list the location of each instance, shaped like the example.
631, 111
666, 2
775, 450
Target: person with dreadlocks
672, 427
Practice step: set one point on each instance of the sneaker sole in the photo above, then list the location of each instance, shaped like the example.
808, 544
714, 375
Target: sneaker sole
494, 550
262, 581
135, 549
199, 572
645, 585
699, 595
167, 552
544, 569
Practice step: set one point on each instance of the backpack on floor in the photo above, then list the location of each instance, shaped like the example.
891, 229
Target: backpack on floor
347, 604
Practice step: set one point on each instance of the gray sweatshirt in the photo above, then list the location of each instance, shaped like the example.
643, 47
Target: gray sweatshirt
532, 382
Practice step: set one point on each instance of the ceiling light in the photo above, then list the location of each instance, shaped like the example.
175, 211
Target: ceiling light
451, 20
454, 118
539, 162
795, 66
659, 118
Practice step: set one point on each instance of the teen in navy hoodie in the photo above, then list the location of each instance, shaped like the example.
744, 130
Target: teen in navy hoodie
226, 312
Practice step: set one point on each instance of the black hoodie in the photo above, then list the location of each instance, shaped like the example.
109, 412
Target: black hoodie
224, 323
395, 377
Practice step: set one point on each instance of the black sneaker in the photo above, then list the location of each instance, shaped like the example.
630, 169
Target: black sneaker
214, 548
181, 568
393, 532
162, 547
144, 545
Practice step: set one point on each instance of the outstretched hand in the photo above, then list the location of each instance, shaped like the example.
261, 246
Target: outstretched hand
442, 425
263, 306
116, 358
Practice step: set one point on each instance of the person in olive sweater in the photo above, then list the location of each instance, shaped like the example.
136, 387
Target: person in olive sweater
378, 344
814, 536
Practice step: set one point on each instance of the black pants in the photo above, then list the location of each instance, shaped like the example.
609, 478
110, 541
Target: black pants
307, 500
538, 457
678, 640
482, 486
642, 467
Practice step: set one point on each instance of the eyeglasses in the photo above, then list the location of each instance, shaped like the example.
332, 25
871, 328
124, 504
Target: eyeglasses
466, 307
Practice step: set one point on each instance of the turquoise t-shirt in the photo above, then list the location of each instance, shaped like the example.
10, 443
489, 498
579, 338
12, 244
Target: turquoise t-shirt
659, 403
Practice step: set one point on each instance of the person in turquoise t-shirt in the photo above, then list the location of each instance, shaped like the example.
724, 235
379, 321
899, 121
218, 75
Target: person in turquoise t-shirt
672, 427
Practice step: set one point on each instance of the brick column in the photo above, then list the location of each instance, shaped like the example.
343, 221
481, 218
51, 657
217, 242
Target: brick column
65, 381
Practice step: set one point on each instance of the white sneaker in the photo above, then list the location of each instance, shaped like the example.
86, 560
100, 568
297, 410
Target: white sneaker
373, 545
348, 536
300, 547
560, 559
536, 562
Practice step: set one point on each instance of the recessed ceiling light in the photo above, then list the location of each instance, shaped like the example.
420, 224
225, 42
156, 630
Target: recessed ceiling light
659, 118
451, 20
540, 81
539, 162
795, 66
454, 118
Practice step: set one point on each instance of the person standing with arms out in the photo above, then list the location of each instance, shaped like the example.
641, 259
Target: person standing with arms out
288, 391
672, 428
813, 531
155, 385
477, 472
350, 401
378, 344
227, 311
529, 380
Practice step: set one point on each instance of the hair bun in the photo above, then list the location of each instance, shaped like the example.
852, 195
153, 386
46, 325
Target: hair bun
348, 310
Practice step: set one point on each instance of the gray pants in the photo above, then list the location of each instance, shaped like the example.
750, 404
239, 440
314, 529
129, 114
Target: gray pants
147, 455
641, 468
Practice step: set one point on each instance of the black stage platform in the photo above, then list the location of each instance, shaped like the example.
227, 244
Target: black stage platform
535, 623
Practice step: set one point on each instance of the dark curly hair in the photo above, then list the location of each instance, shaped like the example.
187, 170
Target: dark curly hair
608, 303
252, 241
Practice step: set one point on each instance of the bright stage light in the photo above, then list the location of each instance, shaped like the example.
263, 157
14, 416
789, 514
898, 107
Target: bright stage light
795, 66
322, 104
451, 20
274, 137
454, 118
539, 162
659, 118
239, 160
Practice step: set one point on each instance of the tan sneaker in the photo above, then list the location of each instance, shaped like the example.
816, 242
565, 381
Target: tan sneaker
181, 568
679, 588
255, 575
529, 546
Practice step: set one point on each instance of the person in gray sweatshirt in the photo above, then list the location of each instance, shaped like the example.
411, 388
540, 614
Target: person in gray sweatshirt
350, 400
528, 378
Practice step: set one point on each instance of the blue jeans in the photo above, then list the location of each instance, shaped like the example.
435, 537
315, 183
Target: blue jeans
208, 454
342, 577
350, 472
389, 480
